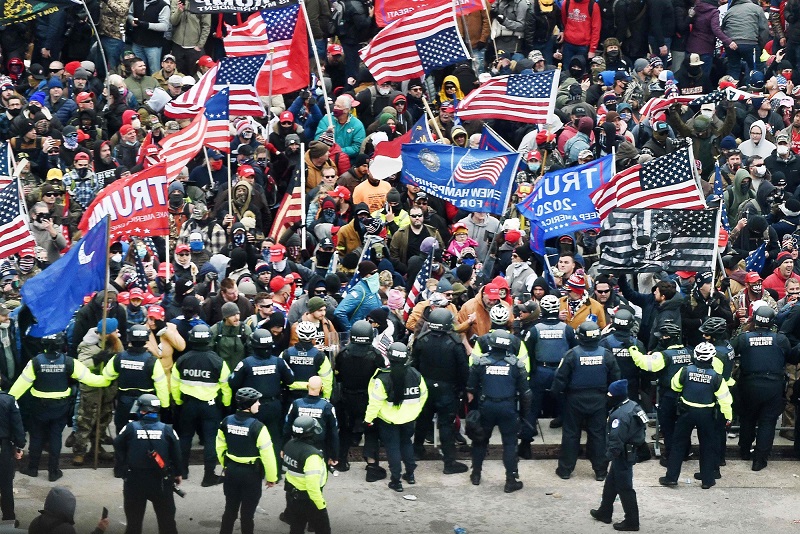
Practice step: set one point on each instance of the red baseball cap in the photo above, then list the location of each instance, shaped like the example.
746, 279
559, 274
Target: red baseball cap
245, 170
81, 156
752, 278
685, 274
84, 97
286, 116
183, 247
277, 253
156, 312
162, 269
125, 129
136, 293
277, 283
491, 291
335, 49
206, 61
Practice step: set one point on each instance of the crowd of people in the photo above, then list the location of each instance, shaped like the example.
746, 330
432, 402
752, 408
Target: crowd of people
326, 314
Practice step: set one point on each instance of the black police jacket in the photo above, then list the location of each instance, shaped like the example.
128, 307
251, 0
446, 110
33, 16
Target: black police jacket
626, 425
134, 445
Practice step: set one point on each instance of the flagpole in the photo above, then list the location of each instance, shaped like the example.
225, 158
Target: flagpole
468, 42
106, 251
99, 46
316, 58
433, 119
716, 247
271, 70
303, 193
491, 30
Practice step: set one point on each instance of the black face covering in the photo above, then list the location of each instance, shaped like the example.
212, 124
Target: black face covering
397, 209
175, 201
615, 400
14, 112
82, 172
323, 258
613, 54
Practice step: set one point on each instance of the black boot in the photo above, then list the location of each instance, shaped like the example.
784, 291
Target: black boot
454, 467
524, 450
759, 462
512, 483
475, 477
209, 477
375, 472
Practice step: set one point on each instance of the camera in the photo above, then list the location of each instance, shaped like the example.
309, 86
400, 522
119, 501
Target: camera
42, 217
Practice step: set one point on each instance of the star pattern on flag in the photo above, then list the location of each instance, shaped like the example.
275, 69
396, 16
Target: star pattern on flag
442, 48
9, 203
239, 70
217, 106
686, 223
531, 86
665, 171
280, 22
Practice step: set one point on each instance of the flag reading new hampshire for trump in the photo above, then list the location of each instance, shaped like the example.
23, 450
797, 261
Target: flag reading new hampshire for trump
470, 179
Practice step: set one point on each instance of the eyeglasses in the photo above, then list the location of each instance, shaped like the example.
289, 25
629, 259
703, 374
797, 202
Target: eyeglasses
329, 176
415, 89
416, 216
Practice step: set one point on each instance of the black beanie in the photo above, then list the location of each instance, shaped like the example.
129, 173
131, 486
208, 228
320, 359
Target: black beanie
464, 273
524, 252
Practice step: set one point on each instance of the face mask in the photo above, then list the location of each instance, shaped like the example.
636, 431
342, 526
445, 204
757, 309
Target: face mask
136, 123
14, 112
707, 113
239, 239
265, 255
215, 164
756, 289
71, 142
328, 215
625, 116
384, 90
744, 187
613, 53
534, 166
761, 170
247, 134
783, 150
374, 282
82, 172
279, 266
338, 113
396, 209
26, 264
175, 201
468, 261
141, 251
196, 246
116, 258
129, 143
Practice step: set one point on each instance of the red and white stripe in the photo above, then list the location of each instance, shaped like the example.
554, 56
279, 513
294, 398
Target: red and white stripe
491, 101
190, 103
179, 148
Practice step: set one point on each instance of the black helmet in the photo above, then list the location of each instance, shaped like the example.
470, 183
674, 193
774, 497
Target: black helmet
261, 339
588, 332
623, 320
53, 343
397, 352
500, 339
148, 403
716, 327
763, 317
306, 427
199, 336
362, 333
669, 330
440, 320
139, 335
246, 397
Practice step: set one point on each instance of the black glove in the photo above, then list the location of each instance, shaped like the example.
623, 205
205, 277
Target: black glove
725, 284
500, 18
144, 24
102, 357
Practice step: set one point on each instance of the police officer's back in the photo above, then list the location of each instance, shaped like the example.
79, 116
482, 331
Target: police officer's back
306, 475
316, 406
619, 342
148, 456
12, 441
500, 316
306, 361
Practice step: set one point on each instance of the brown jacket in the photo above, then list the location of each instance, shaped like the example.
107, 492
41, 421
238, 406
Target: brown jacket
331, 336
314, 173
591, 306
165, 346
482, 323
477, 27
419, 308
349, 240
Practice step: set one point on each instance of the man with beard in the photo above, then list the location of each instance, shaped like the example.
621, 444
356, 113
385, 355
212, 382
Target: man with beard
406, 241
47, 234
702, 302
359, 171
742, 302
213, 234
168, 69
12, 109
81, 183
104, 163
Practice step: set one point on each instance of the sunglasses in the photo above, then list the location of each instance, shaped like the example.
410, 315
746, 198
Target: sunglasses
264, 306
287, 123
53, 195
602, 291
56, 70
415, 216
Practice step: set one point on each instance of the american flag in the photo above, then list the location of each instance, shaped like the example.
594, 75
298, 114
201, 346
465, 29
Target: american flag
516, 97
190, 103
366, 255
291, 210
718, 192
218, 132
665, 182
179, 148
6, 165
711, 98
146, 142
757, 258
419, 285
415, 44
15, 235
657, 240
239, 74
141, 276
471, 169
656, 104
281, 31
736, 95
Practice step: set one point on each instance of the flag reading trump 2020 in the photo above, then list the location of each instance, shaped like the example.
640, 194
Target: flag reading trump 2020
136, 205
560, 202
78, 273
471, 179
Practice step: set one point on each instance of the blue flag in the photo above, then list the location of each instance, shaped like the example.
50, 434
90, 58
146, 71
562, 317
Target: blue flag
720, 195
756, 259
560, 203
470, 179
491, 140
55, 293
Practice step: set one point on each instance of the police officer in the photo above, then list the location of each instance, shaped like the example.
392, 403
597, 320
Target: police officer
440, 357
762, 382
314, 405
625, 431
198, 377
701, 388
305, 477
499, 316
355, 365
266, 373
148, 457
584, 376
497, 382
139, 372
547, 341
245, 451
396, 397
306, 361
48, 377
670, 357
12, 441
715, 331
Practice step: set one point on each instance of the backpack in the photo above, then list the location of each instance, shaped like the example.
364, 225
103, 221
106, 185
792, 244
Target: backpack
337, 21
242, 335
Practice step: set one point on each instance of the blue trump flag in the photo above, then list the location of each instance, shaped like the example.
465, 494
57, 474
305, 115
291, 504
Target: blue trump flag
55, 293
560, 203
470, 179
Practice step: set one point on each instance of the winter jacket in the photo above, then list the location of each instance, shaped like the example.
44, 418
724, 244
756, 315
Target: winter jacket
586, 308
189, 30
745, 23
232, 343
58, 516
667, 310
348, 135
164, 345
706, 29
514, 13
398, 246
477, 27
580, 27
112, 18
661, 16
212, 308
789, 167
539, 25
777, 282
356, 305
319, 14
153, 18
482, 323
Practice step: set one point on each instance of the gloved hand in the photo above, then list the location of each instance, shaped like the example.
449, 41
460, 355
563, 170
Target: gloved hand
102, 357
271, 148
501, 18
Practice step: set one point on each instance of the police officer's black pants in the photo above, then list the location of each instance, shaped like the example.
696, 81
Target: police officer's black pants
397, 440
443, 402
541, 382
7, 470
49, 419
620, 482
148, 485
301, 510
703, 420
123, 410
202, 416
272, 415
350, 411
667, 414
504, 415
583, 408
762, 404
242, 488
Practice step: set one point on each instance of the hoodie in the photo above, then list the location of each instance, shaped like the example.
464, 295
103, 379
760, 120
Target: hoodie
764, 147
58, 515
734, 197
581, 23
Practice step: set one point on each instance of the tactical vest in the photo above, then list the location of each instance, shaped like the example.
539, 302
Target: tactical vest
147, 37
552, 343
304, 364
356, 365
437, 362
295, 454
199, 367
412, 385
52, 376
700, 385
240, 436
264, 376
760, 354
726, 355
148, 436
135, 370
483, 343
676, 360
619, 348
314, 408
499, 379
590, 371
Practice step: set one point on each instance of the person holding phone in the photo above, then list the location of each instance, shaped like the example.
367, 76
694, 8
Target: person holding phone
47, 234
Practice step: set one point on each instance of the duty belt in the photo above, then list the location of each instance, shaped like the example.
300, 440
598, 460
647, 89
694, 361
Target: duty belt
135, 392
498, 399
551, 365
770, 376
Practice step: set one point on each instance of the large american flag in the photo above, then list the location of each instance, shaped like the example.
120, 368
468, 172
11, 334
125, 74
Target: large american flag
656, 104
6, 165
471, 169
179, 148
516, 97
239, 75
218, 132
665, 182
190, 103
283, 33
415, 44
419, 285
15, 235
291, 209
